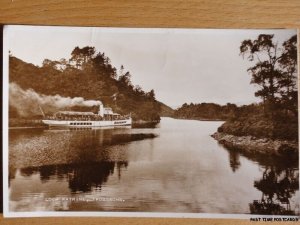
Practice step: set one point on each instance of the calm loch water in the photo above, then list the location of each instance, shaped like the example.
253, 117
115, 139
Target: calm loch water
174, 167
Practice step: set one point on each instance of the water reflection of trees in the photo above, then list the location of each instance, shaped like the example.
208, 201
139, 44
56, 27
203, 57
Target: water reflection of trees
277, 187
279, 182
234, 160
84, 158
71, 147
80, 177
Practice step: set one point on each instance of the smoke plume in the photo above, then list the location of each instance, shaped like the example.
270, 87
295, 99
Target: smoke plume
27, 101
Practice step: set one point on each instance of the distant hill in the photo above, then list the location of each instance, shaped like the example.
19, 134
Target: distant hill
166, 111
89, 75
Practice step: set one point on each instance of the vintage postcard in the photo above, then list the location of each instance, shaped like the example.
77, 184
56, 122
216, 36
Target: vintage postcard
150, 122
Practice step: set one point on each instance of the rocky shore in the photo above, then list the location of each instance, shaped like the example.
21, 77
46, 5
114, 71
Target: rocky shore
254, 145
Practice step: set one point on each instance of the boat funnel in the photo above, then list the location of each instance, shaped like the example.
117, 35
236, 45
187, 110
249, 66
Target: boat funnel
101, 110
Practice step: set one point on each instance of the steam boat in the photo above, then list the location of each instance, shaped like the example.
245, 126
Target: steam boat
104, 118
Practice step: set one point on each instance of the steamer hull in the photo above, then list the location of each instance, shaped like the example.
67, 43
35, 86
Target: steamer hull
103, 123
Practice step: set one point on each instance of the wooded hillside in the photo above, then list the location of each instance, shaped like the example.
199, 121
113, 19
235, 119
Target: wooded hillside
88, 74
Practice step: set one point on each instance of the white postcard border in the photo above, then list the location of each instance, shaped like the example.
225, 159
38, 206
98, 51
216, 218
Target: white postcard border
5, 146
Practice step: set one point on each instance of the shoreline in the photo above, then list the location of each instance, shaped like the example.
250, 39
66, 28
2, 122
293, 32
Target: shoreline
144, 122
16, 128
262, 146
213, 120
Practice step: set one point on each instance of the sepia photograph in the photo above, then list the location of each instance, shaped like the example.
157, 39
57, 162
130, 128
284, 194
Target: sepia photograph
154, 122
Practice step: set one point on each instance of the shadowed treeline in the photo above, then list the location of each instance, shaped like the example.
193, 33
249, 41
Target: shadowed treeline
205, 111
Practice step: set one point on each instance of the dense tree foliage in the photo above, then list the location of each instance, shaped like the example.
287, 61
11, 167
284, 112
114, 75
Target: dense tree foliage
206, 111
274, 72
88, 74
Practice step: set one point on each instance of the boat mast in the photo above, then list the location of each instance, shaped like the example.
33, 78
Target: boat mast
42, 111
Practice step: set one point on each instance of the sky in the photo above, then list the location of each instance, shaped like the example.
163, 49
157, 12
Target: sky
181, 65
